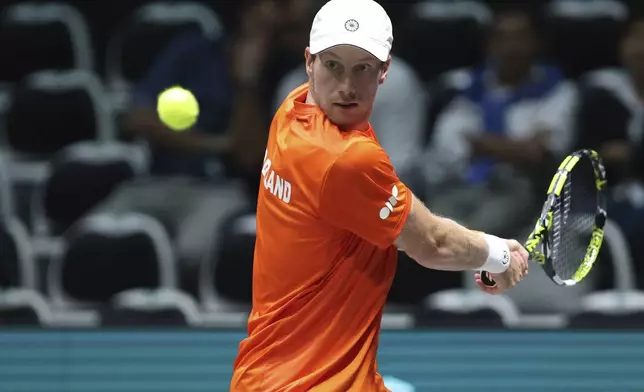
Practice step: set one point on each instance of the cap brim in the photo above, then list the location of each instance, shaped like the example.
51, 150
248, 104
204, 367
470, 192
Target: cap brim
374, 48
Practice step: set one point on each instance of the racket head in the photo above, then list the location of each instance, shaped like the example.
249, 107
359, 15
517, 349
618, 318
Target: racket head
569, 232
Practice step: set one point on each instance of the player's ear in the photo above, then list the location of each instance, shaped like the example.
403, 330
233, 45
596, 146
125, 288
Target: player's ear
385, 70
309, 61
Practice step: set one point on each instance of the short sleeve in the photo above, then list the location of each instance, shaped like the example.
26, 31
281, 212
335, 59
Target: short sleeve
362, 194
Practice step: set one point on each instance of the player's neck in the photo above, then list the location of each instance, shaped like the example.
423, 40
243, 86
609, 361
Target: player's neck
310, 100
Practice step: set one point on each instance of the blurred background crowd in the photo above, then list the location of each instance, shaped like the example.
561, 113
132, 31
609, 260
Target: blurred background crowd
110, 218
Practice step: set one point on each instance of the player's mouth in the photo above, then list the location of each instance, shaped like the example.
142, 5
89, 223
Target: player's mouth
346, 105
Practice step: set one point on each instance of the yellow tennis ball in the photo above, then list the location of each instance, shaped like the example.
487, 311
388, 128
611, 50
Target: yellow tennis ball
177, 108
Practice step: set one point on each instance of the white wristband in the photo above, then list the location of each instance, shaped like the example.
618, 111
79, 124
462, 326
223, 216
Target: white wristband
498, 259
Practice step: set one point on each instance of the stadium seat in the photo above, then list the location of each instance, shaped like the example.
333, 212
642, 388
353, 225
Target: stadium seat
439, 36
17, 265
584, 34
228, 277
143, 307
24, 307
612, 309
133, 49
52, 109
105, 254
81, 176
468, 309
43, 36
7, 201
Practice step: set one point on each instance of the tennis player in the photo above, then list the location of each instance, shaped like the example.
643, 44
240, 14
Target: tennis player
331, 216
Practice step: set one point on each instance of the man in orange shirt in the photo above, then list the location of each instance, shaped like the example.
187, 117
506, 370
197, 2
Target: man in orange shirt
331, 215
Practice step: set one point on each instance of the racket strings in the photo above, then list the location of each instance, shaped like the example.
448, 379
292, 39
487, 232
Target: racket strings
572, 225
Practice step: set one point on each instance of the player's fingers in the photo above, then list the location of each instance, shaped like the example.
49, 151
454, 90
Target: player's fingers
522, 261
524, 254
487, 289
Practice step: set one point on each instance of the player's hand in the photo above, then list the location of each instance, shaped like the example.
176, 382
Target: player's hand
515, 273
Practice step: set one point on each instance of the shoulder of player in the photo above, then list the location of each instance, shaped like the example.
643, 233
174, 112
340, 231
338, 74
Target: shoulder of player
360, 155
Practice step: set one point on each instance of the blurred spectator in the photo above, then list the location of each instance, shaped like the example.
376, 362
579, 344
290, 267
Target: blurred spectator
611, 120
234, 81
398, 116
197, 63
232, 92
510, 117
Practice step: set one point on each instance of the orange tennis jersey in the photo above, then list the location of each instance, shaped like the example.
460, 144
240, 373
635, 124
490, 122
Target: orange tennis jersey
329, 209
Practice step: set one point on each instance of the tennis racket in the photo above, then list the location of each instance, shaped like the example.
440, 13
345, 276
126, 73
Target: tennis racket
569, 233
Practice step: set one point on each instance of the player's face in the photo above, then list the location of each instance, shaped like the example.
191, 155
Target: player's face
343, 82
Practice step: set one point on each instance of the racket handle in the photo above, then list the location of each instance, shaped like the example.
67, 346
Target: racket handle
487, 279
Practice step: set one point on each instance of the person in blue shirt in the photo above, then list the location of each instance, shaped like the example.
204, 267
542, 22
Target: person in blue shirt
512, 115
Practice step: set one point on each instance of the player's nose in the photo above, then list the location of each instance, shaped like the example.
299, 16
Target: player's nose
348, 95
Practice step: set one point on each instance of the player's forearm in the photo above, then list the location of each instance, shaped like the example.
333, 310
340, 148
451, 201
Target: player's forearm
454, 248
442, 244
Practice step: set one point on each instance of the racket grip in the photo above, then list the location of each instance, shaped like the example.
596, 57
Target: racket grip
487, 279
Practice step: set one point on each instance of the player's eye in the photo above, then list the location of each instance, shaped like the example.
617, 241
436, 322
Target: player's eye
332, 65
363, 67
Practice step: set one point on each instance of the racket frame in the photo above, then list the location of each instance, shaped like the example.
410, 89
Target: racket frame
538, 242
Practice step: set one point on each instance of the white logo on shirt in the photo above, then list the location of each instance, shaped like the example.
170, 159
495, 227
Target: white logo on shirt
390, 204
273, 183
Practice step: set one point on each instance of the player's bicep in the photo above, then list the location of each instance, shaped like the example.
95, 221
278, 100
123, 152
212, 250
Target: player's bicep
363, 195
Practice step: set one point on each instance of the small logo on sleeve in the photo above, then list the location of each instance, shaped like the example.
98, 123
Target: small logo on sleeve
506, 257
390, 204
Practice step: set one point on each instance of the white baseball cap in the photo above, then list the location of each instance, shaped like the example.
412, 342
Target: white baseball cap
361, 23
